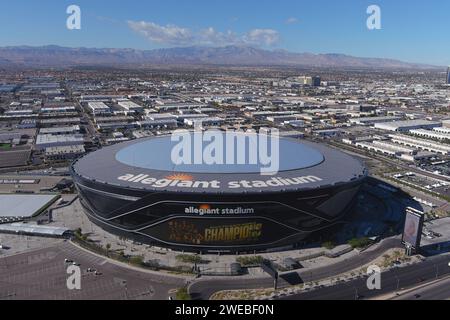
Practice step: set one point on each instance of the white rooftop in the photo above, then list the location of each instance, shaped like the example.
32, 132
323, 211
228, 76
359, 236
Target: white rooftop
24, 205
33, 229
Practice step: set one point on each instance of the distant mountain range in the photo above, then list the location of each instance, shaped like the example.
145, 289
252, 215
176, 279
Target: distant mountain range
55, 56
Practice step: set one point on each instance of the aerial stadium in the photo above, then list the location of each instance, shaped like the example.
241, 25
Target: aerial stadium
136, 190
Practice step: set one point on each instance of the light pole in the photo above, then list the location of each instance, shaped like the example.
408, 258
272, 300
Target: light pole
124, 284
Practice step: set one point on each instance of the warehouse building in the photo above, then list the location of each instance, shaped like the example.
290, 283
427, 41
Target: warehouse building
130, 106
64, 153
421, 144
430, 134
404, 126
98, 108
44, 141
61, 130
367, 121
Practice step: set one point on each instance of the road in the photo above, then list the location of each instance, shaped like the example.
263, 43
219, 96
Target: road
391, 282
433, 291
42, 275
203, 289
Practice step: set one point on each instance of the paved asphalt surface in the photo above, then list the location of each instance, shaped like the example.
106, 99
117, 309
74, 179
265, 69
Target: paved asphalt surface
391, 282
41, 275
203, 289
434, 291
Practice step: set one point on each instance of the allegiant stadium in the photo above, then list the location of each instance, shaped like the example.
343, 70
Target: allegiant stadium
136, 190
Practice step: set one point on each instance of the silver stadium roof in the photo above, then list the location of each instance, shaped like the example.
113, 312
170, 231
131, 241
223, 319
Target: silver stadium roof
146, 164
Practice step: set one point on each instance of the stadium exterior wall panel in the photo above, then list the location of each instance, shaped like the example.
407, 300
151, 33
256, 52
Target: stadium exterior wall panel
160, 218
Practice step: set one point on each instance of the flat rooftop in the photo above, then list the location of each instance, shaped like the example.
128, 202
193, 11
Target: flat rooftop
24, 205
409, 123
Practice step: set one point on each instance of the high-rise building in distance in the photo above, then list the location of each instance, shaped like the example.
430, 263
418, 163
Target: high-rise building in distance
448, 75
310, 81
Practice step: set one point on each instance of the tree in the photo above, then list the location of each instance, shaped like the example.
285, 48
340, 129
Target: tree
250, 260
328, 245
186, 258
359, 243
108, 247
182, 294
78, 233
137, 261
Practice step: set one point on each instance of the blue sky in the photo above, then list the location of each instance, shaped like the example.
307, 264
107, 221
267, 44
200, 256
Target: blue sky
412, 30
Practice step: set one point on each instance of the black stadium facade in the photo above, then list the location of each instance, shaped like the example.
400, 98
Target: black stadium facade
134, 190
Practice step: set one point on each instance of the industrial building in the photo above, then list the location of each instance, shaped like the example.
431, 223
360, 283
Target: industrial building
442, 130
23, 206
130, 106
44, 141
404, 126
421, 144
97, 108
161, 123
63, 153
446, 123
368, 121
204, 122
442, 135
60, 130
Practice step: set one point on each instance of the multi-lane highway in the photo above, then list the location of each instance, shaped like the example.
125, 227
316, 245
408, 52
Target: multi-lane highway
437, 290
392, 281
203, 289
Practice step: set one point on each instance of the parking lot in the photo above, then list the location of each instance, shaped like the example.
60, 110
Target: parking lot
42, 182
42, 274
421, 181
436, 232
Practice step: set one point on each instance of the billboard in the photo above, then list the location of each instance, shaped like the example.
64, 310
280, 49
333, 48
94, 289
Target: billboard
207, 231
412, 232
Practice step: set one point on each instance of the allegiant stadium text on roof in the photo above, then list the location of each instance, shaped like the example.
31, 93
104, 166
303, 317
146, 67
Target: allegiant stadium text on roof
215, 184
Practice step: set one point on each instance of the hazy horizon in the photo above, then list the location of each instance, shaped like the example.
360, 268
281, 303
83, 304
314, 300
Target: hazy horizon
411, 32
